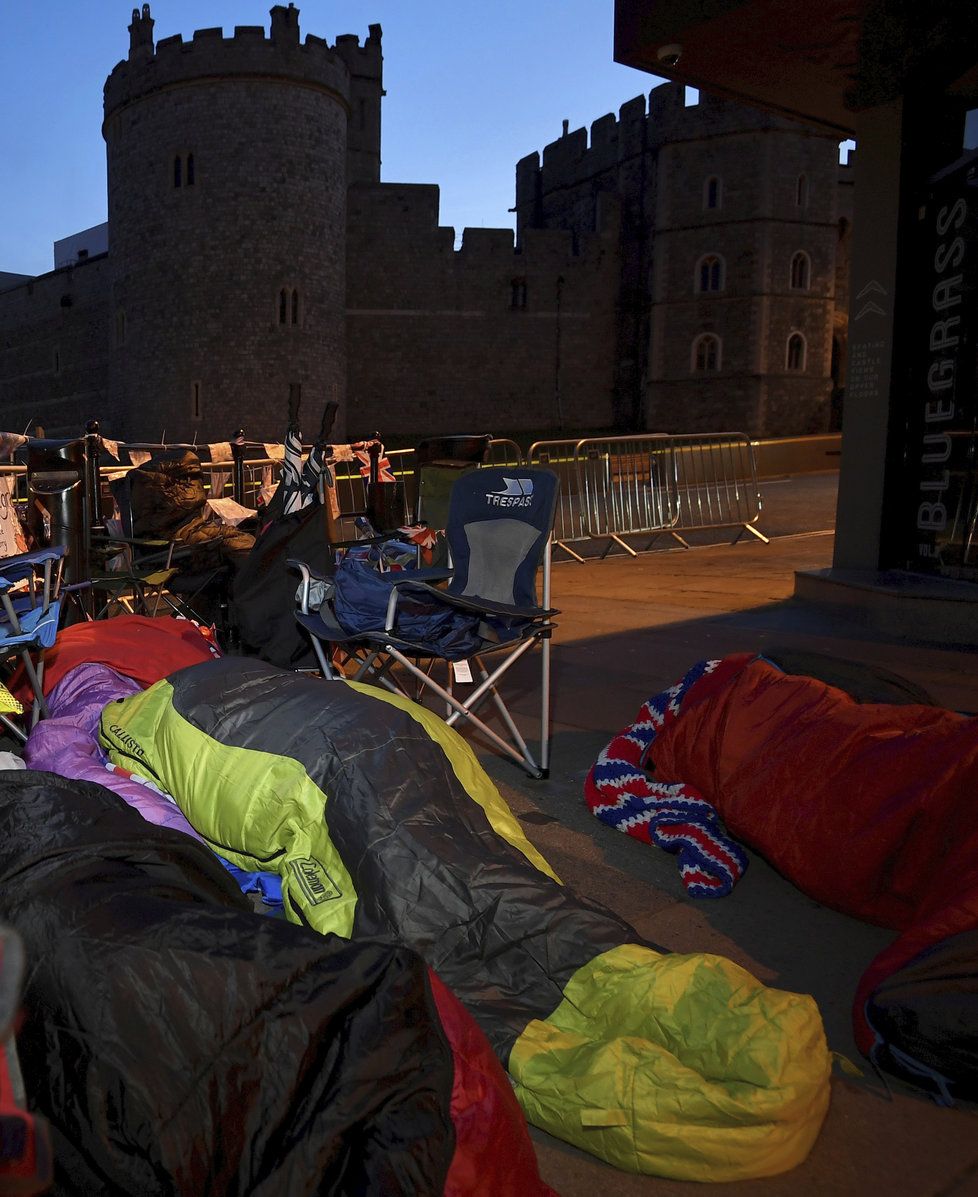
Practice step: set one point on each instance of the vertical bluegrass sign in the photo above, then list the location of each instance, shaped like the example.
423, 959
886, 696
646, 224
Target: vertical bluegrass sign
942, 423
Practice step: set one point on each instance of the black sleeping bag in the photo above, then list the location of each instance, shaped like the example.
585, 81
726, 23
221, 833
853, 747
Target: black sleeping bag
181, 1044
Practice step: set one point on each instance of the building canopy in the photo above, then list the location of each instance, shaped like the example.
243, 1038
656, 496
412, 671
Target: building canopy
821, 63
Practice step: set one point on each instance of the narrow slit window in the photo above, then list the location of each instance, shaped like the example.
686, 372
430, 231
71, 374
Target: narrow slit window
801, 191
712, 193
283, 301
177, 171
196, 406
190, 170
800, 271
518, 293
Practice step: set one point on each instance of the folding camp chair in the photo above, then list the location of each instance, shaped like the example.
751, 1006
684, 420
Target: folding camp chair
30, 608
498, 532
128, 572
160, 572
438, 464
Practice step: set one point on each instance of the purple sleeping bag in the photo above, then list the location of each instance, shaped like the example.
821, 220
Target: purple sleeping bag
67, 742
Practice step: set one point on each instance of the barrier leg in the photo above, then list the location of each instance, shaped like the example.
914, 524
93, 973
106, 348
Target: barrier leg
753, 531
560, 544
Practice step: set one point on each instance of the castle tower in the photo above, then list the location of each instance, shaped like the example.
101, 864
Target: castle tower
227, 179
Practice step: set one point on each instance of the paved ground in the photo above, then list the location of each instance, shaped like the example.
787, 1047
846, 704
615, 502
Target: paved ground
631, 627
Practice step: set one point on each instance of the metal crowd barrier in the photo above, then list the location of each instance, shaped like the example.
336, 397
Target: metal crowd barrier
716, 484
559, 456
610, 487
650, 485
628, 487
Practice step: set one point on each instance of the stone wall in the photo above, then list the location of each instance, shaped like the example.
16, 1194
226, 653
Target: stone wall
227, 174
484, 338
776, 194
54, 350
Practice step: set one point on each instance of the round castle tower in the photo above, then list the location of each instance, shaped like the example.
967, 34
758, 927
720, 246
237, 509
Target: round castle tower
228, 166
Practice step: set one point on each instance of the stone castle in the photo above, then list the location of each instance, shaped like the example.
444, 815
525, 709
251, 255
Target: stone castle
684, 271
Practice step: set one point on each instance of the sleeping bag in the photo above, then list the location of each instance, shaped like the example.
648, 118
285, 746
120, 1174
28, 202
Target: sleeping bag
181, 1045
868, 807
383, 826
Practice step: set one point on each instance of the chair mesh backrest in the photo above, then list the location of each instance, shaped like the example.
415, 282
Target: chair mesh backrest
438, 462
498, 526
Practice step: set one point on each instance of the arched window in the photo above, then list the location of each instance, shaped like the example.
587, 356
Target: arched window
706, 354
295, 307
801, 191
177, 171
190, 170
283, 306
801, 271
712, 193
709, 273
794, 358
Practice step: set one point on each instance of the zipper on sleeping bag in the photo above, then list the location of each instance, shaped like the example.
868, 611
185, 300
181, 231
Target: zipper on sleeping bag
219, 848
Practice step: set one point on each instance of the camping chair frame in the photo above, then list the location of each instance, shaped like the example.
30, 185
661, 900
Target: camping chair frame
31, 609
154, 575
375, 655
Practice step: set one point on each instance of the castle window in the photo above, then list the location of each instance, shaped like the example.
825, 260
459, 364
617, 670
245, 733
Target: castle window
517, 297
801, 271
196, 405
801, 191
183, 170
709, 273
794, 358
56, 361
712, 193
706, 354
289, 306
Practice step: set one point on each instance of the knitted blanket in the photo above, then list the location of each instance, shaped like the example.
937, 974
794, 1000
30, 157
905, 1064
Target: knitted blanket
671, 815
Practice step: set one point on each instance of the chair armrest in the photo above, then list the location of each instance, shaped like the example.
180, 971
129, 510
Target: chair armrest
165, 550
420, 578
487, 606
308, 576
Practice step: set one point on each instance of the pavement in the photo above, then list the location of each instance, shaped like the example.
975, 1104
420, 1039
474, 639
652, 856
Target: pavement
630, 627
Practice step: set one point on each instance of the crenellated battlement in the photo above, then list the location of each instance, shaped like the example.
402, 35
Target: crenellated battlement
642, 125
394, 215
248, 53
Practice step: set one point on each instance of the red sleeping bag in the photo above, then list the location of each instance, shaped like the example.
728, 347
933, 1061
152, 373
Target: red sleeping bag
869, 808
134, 645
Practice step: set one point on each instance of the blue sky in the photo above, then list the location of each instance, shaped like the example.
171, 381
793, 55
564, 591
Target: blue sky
471, 88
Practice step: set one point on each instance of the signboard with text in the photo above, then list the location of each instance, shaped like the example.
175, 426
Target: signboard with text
941, 405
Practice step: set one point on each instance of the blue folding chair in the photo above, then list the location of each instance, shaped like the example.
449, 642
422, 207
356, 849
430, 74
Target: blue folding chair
499, 529
30, 610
